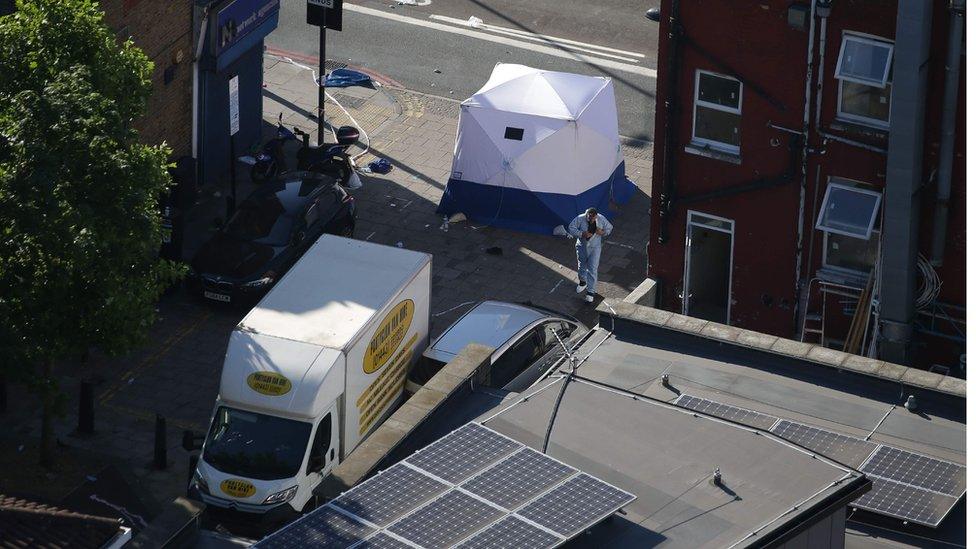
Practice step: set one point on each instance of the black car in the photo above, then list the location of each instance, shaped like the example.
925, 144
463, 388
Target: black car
269, 231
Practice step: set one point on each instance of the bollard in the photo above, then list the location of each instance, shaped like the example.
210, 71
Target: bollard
159, 453
86, 409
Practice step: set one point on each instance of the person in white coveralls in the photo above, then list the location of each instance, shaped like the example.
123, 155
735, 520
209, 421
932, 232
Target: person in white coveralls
589, 228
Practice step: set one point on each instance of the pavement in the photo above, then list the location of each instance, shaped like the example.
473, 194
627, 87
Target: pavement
176, 373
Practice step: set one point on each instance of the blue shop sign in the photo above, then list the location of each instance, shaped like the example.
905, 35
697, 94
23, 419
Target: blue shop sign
240, 17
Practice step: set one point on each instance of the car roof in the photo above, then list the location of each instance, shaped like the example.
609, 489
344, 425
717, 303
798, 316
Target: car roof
490, 323
294, 189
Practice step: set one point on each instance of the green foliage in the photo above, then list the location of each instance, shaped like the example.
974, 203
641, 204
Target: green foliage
79, 221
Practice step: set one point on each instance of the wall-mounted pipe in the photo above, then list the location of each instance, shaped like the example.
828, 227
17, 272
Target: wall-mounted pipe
675, 37
947, 142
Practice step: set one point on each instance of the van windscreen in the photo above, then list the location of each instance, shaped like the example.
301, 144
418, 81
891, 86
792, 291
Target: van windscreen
255, 445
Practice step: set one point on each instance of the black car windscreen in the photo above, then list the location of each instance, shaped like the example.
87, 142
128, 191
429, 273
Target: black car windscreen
255, 445
261, 220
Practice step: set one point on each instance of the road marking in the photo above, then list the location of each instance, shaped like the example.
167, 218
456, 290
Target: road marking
521, 44
624, 55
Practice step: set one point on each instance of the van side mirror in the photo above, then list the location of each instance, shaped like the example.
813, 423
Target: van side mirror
316, 461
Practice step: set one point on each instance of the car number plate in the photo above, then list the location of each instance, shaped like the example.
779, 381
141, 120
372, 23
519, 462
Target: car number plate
216, 296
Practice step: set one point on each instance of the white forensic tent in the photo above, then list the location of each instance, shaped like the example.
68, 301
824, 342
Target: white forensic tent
534, 149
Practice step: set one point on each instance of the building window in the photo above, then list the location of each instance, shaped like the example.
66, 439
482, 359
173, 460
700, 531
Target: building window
864, 72
849, 211
851, 254
718, 108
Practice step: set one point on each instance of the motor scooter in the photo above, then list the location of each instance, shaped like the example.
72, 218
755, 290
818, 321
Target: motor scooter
331, 159
270, 160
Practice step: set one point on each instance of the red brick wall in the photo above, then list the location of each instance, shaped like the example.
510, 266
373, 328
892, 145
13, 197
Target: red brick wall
162, 29
754, 39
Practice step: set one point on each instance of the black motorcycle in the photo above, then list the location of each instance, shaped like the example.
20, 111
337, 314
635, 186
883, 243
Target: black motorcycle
330, 159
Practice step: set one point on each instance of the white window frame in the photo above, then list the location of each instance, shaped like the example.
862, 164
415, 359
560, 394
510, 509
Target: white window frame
734, 149
870, 40
854, 117
728, 226
848, 185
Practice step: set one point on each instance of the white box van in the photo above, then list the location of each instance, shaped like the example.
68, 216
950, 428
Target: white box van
311, 371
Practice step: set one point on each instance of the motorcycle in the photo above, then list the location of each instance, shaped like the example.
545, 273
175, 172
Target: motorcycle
330, 159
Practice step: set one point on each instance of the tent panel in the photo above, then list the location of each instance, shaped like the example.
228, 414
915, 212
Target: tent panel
528, 94
575, 90
476, 158
501, 73
524, 210
533, 129
568, 162
601, 114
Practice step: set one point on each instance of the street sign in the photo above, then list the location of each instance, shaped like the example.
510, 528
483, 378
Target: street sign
324, 13
235, 106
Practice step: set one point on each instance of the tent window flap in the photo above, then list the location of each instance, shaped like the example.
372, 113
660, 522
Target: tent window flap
849, 211
515, 134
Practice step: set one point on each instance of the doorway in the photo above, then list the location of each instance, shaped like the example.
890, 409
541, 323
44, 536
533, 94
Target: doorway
708, 267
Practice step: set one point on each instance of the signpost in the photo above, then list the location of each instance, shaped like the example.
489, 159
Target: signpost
234, 104
323, 14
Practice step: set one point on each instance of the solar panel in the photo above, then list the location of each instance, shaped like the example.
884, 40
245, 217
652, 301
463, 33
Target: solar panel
512, 532
324, 527
725, 411
848, 450
383, 541
390, 495
461, 454
518, 478
905, 502
574, 505
917, 470
446, 520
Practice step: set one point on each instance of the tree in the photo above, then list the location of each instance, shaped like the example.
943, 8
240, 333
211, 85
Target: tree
79, 222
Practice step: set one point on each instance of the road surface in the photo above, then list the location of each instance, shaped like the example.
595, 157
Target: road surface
431, 48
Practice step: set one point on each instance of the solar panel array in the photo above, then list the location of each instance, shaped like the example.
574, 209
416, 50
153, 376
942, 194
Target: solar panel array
906, 485
473, 488
912, 486
725, 411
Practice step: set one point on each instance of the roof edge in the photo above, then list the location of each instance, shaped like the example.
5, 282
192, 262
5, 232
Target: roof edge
821, 356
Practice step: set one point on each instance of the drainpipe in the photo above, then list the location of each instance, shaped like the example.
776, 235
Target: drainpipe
675, 36
948, 140
804, 159
904, 177
197, 53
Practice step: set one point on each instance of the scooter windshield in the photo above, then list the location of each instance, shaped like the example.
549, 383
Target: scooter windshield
256, 446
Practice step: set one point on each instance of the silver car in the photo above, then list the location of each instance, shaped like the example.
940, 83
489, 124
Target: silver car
521, 335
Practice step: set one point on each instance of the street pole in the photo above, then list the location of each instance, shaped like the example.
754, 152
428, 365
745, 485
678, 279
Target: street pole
321, 83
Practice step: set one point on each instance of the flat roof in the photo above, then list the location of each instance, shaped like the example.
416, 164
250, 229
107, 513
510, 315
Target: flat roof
780, 386
666, 456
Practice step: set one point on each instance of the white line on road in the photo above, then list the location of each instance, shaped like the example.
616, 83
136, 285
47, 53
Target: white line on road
554, 41
548, 50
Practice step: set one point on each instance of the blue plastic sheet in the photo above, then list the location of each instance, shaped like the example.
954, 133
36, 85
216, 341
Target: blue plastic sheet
381, 166
342, 78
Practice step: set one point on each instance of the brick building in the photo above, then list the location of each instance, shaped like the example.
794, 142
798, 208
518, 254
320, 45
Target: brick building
163, 30
802, 151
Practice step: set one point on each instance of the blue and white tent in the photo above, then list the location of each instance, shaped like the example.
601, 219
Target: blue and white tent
534, 149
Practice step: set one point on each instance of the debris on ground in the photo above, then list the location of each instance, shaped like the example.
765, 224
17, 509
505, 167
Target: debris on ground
494, 250
474, 22
380, 165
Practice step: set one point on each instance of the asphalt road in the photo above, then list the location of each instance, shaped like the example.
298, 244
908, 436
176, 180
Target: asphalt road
430, 48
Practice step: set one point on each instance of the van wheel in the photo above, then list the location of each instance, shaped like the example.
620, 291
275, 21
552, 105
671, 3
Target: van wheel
347, 231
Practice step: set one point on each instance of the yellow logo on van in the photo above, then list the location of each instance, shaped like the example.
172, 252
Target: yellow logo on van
237, 488
269, 383
388, 336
